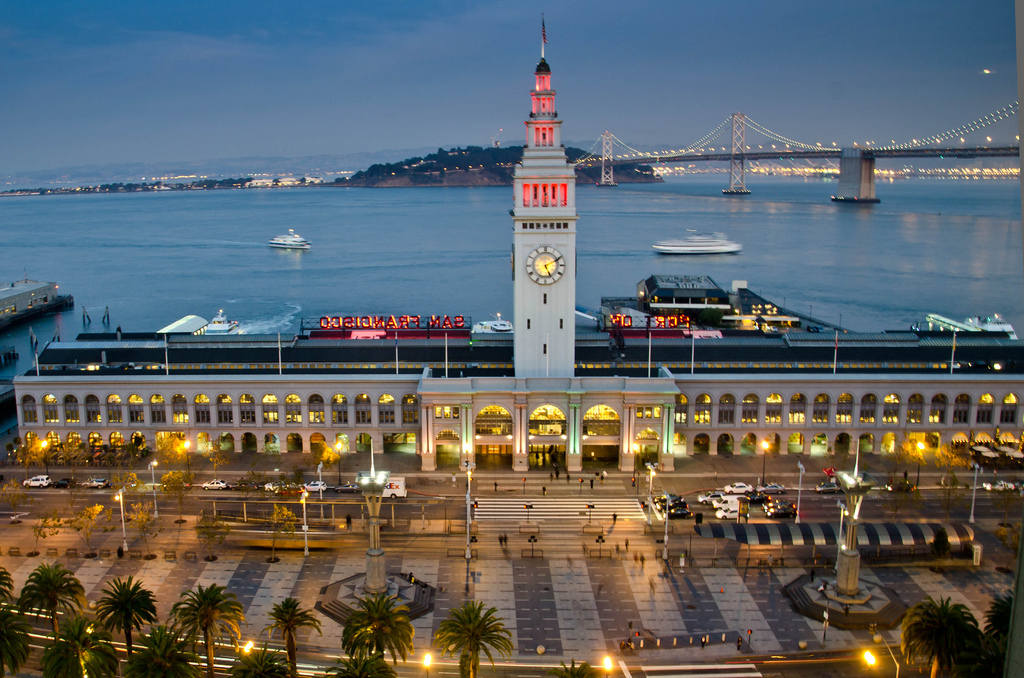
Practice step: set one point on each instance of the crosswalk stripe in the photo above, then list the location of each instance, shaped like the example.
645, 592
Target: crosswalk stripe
557, 509
702, 671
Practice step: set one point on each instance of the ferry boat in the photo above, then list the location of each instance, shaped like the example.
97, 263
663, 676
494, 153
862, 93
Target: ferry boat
291, 241
496, 326
699, 243
975, 324
220, 325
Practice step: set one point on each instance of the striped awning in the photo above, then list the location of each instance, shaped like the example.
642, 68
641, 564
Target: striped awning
983, 437
960, 438
824, 534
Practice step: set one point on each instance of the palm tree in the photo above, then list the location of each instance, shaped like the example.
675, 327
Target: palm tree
6, 585
983, 658
288, 618
997, 619
378, 625
262, 663
584, 670
362, 666
163, 654
51, 588
81, 650
470, 629
208, 613
938, 631
14, 632
126, 605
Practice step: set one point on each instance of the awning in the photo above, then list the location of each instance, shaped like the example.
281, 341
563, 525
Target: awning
983, 438
824, 534
1007, 437
960, 438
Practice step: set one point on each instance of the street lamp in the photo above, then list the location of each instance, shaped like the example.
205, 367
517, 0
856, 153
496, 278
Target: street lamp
920, 456
527, 507
870, 659
764, 459
664, 550
650, 492
305, 527
152, 476
974, 490
124, 533
839, 537
337, 448
426, 664
469, 505
799, 490
188, 461
607, 663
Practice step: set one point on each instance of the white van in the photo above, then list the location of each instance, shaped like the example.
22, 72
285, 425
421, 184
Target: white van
727, 502
395, 487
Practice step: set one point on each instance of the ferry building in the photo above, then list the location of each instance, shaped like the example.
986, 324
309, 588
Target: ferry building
545, 393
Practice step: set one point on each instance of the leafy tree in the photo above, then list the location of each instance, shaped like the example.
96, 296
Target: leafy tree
212, 531
949, 459
14, 637
940, 544
14, 495
470, 629
1007, 500
984, 657
73, 455
289, 617
81, 651
163, 654
904, 453
86, 521
362, 666
28, 455
127, 482
209, 613
282, 522
217, 457
1010, 537
48, 525
178, 486
125, 605
261, 663
50, 588
378, 624
997, 619
711, 317
584, 670
142, 520
938, 632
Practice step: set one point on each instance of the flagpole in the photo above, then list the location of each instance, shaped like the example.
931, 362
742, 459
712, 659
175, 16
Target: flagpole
835, 356
280, 369
445, 355
693, 348
396, 352
543, 35
952, 356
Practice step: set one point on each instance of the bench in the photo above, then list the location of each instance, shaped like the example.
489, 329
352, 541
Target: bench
13, 551
460, 553
70, 553
51, 552
533, 553
104, 553
190, 556
135, 554
170, 555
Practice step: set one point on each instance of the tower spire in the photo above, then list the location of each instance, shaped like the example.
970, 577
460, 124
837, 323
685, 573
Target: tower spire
543, 35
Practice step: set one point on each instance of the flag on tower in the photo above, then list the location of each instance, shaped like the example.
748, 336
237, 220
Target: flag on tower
543, 30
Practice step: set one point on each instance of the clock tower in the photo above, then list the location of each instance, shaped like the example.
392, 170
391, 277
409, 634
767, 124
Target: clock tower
544, 243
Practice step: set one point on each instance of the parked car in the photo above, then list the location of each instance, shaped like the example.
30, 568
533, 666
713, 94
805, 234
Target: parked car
216, 485
245, 486
727, 513
827, 487
64, 483
316, 486
737, 488
780, 509
998, 486
772, 488
351, 488
96, 483
288, 490
37, 481
902, 486
708, 497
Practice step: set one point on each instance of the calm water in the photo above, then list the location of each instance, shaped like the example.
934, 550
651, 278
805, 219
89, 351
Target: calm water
952, 247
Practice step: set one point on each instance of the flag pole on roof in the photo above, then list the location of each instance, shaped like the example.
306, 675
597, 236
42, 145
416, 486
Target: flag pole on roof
543, 35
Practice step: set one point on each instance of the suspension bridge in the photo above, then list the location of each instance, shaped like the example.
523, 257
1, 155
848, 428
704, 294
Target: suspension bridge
856, 163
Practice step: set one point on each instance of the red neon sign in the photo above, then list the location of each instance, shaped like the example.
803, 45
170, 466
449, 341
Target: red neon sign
661, 322
392, 322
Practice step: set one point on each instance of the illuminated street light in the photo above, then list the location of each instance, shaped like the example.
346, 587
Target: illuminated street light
152, 477
764, 459
337, 448
974, 490
305, 527
247, 648
124, 533
799, 490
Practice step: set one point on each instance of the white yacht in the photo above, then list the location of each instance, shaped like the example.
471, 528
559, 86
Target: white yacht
221, 325
291, 241
699, 243
496, 326
974, 324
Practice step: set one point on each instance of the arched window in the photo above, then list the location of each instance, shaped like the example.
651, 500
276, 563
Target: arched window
985, 404
339, 409
727, 409
961, 409
271, 414
202, 404
819, 410
702, 409
293, 410
71, 414
844, 409
601, 420
116, 439
179, 408
316, 409
410, 409
225, 414
773, 409
157, 409
29, 415
246, 410
891, 409
386, 409
868, 406
50, 414
493, 420
937, 413
748, 415
92, 409
798, 409
915, 409
136, 409
547, 420
364, 414
114, 415
681, 407
1008, 412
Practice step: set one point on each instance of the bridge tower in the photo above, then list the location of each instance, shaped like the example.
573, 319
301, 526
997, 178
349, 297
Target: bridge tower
737, 176
856, 177
607, 173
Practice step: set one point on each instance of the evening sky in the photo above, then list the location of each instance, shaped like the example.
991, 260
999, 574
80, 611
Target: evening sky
105, 82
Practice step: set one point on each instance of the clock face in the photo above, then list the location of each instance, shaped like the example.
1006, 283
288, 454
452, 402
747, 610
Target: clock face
545, 265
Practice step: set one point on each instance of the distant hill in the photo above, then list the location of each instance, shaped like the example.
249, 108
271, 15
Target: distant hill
476, 166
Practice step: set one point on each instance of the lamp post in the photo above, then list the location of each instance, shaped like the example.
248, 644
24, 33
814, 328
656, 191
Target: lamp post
124, 533
320, 477
337, 448
305, 527
974, 490
590, 513
426, 665
188, 460
469, 507
527, 507
152, 476
839, 537
799, 490
664, 550
764, 459
650, 493
870, 659
920, 455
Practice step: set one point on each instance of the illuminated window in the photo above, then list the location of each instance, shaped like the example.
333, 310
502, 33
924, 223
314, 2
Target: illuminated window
844, 409
225, 415
316, 409
727, 409
1008, 413
71, 415
386, 409
819, 410
773, 409
202, 404
247, 408
601, 420
868, 406
136, 411
363, 409
798, 409
114, 415
292, 409
410, 409
493, 420
547, 420
748, 412
28, 410
891, 409
50, 415
271, 414
961, 408
702, 409
937, 413
92, 409
339, 409
915, 409
681, 409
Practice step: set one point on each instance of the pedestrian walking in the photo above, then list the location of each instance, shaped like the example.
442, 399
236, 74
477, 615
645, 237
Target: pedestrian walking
650, 584
636, 559
642, 561
739, 643
617, 551
703, 641
591, 483
544, 490
495, 485
812, 575
348, 521
552, 476
615, 516
568, 478
604, 474
501, 543
627, 546
557, 473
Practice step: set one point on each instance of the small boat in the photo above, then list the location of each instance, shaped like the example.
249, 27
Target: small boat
496, 326
221, 325
699, 243
291, 241
941, 323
